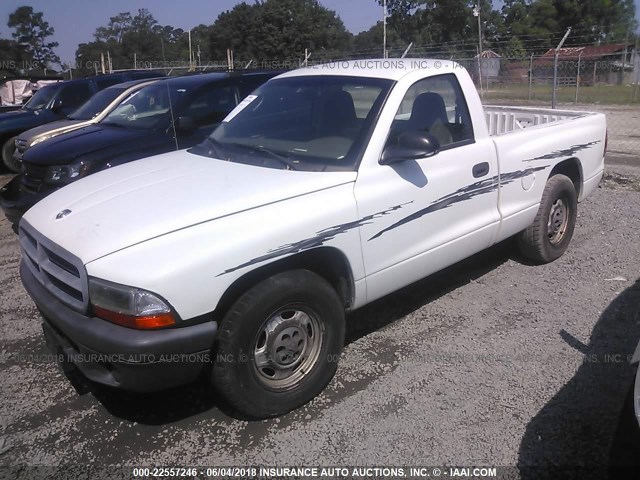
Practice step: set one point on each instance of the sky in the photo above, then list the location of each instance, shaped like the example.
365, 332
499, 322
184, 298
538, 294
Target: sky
75, 21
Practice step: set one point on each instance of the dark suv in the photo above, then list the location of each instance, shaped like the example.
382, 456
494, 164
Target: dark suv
169, 114
54, 102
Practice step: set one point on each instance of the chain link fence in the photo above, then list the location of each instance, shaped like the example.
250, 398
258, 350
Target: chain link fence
607, 83
604, 78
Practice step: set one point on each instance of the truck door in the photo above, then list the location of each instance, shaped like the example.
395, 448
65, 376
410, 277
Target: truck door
427, 213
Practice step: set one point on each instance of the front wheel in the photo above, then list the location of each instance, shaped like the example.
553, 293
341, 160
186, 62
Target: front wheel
8, 148
551, 232
278, 346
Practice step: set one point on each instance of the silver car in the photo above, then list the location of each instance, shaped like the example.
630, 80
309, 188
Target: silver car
92, 111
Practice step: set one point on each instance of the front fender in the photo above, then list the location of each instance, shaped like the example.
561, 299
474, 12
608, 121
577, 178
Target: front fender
193, 267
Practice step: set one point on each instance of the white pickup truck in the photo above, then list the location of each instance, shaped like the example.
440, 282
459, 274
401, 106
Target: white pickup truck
326, 189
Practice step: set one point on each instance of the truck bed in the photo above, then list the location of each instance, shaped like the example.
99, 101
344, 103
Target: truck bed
503, 120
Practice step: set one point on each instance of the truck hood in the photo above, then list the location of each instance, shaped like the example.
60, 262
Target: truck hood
138, 201
87, 140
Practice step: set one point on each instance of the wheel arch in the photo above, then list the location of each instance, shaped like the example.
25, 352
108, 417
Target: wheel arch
5, 137
571, 168
328, 262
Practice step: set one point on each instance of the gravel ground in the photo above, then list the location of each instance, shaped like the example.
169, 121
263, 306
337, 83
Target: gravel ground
491, 362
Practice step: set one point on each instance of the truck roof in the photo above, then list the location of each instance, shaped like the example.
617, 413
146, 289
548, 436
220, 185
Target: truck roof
389, 68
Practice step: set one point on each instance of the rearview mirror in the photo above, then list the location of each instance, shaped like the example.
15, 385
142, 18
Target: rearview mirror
57, 105
186, 125
412, 145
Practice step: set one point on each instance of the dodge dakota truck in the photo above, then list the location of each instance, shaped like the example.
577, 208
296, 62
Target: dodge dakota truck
332, 186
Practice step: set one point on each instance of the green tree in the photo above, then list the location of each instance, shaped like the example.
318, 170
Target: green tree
12, 58
129, 38
238, 29
516, 17
369, 42
32, 32
597, 20
539, 24
448, 26
278, 29
514, 49
115, 29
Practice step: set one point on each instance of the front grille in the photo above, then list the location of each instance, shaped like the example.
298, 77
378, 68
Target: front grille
60, 272
33, 176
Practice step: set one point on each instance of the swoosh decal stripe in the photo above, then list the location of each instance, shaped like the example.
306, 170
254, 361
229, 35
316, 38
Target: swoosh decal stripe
319, 239
567, 152
463, 194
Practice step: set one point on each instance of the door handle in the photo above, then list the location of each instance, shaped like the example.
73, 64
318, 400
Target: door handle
481, 169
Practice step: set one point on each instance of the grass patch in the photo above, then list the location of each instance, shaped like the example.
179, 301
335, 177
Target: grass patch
598, 94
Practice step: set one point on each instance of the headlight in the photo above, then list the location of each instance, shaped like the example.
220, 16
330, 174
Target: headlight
128, 306
65, 173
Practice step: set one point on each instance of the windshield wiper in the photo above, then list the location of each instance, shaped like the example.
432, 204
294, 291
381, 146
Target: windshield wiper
277, 156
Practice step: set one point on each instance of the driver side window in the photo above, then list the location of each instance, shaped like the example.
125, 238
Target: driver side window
436, 105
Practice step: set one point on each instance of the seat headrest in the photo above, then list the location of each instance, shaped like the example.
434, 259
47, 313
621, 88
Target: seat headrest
427, 108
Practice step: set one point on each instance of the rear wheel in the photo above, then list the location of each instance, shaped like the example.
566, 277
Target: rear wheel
278, 346
551, 232
7, 155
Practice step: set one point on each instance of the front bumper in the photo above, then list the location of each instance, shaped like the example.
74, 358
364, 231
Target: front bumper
135, 360
15, 201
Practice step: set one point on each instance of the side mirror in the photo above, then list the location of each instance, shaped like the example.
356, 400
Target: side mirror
186, 125
412, 145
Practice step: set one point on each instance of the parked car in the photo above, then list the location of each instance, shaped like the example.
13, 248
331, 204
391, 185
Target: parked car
92, 111
54, 102
16, 90
141, 125
328, 188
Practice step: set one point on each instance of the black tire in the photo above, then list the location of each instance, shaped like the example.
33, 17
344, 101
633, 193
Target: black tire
265, 323
548, 238
7, 155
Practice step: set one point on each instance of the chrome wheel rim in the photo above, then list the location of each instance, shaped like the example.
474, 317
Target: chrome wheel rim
287, 347
558, 221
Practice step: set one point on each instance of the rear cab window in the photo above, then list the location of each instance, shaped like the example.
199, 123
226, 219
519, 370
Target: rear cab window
436, 105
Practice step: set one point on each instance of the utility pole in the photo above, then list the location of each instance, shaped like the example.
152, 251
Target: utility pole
626, 49
476, 13
636, 69
578, 76
555, 68
530, 76
190, 53
384, 29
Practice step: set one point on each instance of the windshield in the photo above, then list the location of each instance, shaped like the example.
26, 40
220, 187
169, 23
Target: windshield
96, 104
146, 109
316, 123
42, 97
